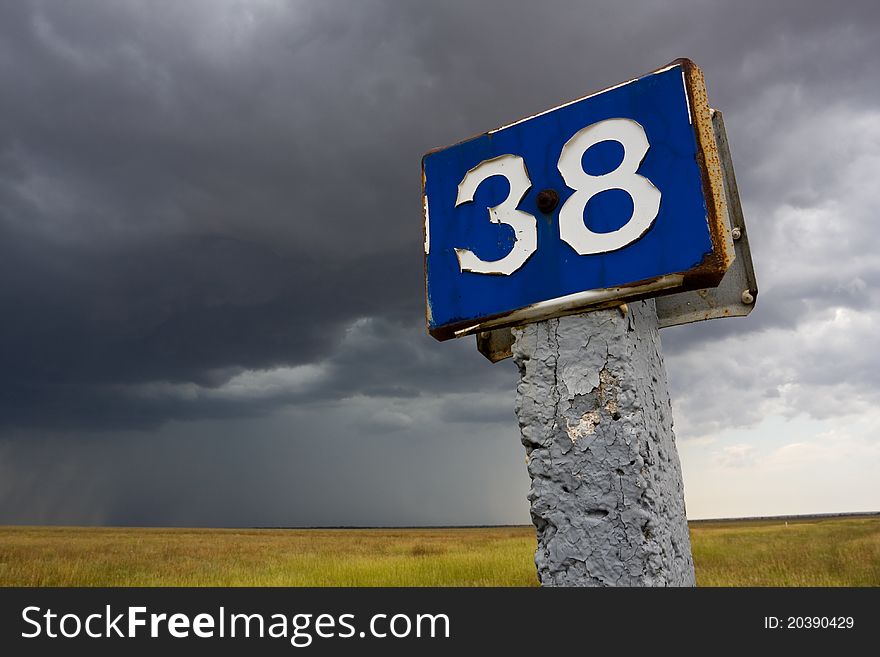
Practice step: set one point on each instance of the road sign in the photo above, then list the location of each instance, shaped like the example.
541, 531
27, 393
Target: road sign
612, 197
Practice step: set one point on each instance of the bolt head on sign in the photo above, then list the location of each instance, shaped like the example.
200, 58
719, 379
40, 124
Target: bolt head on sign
613, 197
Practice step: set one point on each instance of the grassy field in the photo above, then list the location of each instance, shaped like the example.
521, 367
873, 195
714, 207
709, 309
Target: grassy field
806, 552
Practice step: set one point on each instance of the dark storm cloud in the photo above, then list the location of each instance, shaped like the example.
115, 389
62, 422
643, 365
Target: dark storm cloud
199, 474
184, 198
209, 211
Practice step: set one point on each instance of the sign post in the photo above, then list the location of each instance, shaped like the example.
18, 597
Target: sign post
549, 238
607, 497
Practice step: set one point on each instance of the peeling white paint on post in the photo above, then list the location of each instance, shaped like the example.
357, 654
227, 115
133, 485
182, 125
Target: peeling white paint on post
607, 497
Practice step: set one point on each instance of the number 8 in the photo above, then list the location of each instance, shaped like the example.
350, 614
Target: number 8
645, 197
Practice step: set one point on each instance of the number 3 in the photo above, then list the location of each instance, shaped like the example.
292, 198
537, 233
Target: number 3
645, 197
524, 226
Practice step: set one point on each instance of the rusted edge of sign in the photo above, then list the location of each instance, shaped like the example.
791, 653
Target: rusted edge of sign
705, 275
709, 272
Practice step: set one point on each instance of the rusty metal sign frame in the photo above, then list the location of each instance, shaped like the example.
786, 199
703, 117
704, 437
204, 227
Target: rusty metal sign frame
735, 295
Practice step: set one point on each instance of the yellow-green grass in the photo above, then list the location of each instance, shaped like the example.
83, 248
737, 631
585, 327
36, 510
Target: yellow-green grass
838, 551
45, 556
810, 552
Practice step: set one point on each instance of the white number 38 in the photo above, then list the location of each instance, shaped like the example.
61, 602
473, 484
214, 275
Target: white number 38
572, 230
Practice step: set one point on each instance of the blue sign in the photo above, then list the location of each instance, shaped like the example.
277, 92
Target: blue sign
611, 197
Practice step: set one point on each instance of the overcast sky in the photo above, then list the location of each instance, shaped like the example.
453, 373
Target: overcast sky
211, 261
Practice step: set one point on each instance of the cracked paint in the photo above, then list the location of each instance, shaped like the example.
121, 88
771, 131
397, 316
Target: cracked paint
606, 496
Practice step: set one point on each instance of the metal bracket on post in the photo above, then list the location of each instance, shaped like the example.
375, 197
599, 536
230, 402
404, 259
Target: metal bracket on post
495, 345
735, 296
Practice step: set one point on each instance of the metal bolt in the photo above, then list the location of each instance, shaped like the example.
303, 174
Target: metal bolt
747, 297
547, 200
736, 233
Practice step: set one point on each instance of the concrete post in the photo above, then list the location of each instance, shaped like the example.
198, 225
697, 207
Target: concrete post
606, 497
